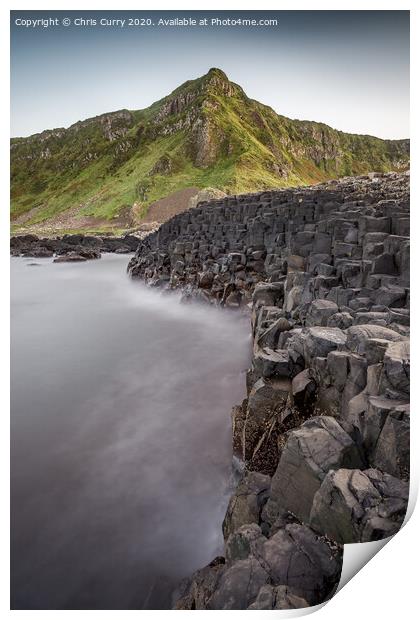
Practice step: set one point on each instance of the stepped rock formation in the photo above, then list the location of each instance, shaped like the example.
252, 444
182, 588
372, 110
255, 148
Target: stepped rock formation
324, 430
105, 172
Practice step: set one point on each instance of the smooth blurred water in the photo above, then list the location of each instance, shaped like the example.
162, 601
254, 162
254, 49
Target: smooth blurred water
120, 435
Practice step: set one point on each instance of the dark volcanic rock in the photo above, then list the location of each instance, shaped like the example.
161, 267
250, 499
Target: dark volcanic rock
324, 272
246, 504
70, 257
238, 585
87, 246
297, 558
293, 568
196, 592
38, 252
278, 597
318, 446
358, 506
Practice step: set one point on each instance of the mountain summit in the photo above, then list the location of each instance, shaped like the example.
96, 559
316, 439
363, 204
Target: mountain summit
207, 133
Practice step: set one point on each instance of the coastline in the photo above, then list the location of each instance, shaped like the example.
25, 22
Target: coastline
323, 433
324, 430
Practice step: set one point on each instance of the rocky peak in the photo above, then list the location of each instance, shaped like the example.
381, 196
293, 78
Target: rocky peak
244, 145
217, 82
215, 72
213, 83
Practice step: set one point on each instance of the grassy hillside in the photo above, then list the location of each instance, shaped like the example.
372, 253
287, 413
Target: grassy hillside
206, 133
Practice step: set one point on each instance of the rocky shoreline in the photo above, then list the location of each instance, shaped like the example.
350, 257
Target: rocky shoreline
323, 434
71, 248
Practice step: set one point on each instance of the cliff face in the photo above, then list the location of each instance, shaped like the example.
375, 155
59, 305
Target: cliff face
323, 435
207, 133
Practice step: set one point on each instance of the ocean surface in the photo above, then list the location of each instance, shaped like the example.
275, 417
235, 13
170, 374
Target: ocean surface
121, 461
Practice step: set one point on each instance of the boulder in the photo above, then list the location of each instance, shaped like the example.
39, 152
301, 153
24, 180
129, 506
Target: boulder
268, 294
357, 506
243, 542
311, 451
71, 257
22, 240
90, 253
374, 318
295, 263
396, 375
293, 298
233, 300
343, 377
400, 316
318, 259
294, 568
205, 279
278, 597
299, 559
268, 363
383, 425
270, 336
208, 193
392, 451
317, 342
391, 296
375, 349
238, 585
194, 593
343, 320
358, 335
75, 239
304, 392
38, 252
385, 263
319, 311
246, 503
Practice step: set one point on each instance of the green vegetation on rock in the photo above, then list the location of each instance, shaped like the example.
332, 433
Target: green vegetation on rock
207, 133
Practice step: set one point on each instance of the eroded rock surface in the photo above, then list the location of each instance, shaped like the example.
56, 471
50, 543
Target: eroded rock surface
357, 506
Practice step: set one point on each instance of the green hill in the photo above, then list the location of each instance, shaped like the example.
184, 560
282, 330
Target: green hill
206, 133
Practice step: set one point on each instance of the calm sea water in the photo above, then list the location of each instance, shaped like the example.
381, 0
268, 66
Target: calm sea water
120, 435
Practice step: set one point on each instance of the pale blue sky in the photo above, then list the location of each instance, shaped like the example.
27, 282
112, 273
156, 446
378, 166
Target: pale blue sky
348, 69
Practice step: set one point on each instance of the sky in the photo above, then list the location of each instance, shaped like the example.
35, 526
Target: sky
349, 69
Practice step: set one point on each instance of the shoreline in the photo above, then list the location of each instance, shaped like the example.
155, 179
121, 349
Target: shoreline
71, 248
323, 432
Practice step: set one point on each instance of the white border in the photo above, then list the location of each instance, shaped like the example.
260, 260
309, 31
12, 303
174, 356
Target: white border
387, 586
